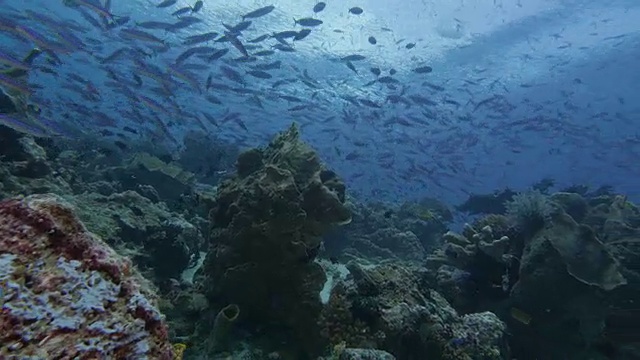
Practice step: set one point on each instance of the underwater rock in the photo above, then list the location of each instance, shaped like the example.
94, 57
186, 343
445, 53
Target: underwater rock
380, 232
267, 223
21, 155
388, 243
207, 157
155, 237
573, 204
66, 294
169, 180
500, 225
474, 268
564, 277
487, 203
25, 168
364, 354
389, 307
462, 250
584, 255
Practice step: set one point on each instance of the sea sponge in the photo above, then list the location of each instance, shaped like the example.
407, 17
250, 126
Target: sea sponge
219, 336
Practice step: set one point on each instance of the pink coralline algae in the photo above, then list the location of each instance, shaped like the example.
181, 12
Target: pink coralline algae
65, 294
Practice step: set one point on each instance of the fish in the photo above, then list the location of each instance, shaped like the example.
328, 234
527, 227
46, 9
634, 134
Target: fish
95, 7
200, 38
184, 22
520, 315
13, 85
308, 22
302, 34
319, 7
197, 6
270, 66
354, 57
284, 48
410, 45
9, 60
282, 35
423, 69
182, 11
206, 50
264, 53
236, 43
157, 25
135, 34
231, 74
166, 3
23, 126
259, 74
356, 10
376, 71
238, 28
217, 55
351, 66
372, 40
387, 80
259, 38
258, 12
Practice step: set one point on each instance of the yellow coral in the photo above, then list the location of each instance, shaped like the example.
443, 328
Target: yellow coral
178, 350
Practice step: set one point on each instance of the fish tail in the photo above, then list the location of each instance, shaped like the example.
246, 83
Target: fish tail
295, 22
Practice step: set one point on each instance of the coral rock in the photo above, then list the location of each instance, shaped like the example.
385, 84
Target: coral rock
365, 354
65, 294
268, 223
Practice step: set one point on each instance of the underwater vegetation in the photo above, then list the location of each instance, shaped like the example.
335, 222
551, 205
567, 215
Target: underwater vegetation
310, 180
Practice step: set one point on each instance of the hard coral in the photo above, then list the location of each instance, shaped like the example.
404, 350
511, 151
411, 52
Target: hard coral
66, 294
268, 221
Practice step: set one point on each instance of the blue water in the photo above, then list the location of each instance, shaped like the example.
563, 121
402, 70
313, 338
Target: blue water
520, 90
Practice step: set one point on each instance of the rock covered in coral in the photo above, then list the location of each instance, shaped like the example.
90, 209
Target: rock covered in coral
390, 308
169, 179
564, 275
267, 226
364, 354
388, 243
24, 166
66, 294
573, 204
157, 238
379, 232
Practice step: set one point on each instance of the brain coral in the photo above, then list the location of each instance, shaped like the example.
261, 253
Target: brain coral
65, 294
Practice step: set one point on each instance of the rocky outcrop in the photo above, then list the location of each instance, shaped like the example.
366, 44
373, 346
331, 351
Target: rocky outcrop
66, 294
389, 307
268, 221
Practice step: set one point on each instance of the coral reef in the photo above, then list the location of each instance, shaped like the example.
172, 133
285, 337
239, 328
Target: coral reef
268, 223
380, 233
364, 354
556, 268
159, 240
487, 203
389, 307
561, 270
66, 294
128, 215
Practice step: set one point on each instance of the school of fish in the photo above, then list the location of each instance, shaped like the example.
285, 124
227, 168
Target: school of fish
86, 68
